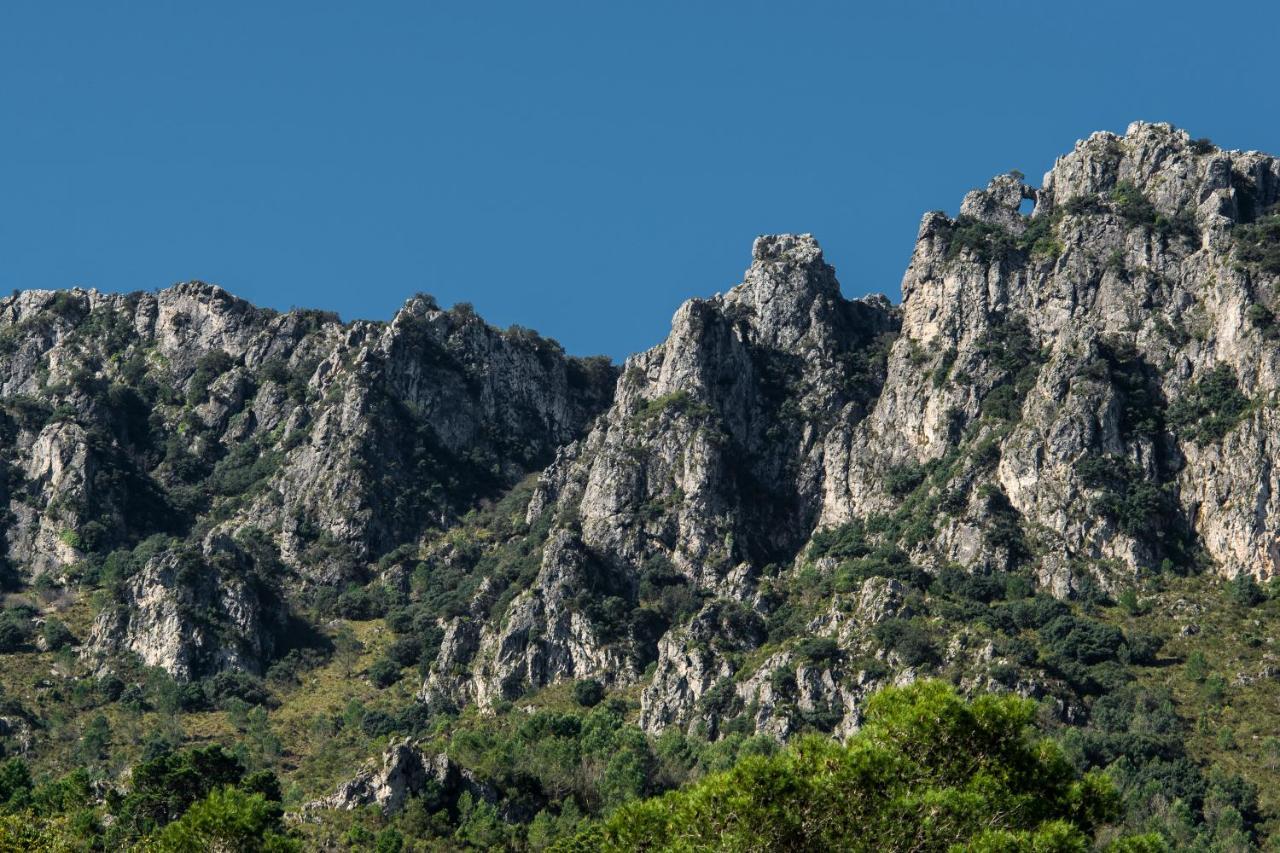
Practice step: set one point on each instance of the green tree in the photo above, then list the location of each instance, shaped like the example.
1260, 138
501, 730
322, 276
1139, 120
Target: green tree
928, 770
1197, 667
163, 789
479, 824
384, 673
347, 648
263, 745
15, 782
588, 692
1244, 591
229, 820
95, 740
56, 635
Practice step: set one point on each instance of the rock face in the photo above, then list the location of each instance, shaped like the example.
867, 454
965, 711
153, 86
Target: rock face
1083, 394
192, 612
406, 772
190, 414
1091, 340
743, 521
705, 470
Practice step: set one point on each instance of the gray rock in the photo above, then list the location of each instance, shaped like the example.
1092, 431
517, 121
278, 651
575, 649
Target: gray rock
405, 772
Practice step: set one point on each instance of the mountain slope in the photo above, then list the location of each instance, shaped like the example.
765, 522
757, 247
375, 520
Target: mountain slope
274, 450
572, 585
1080, 396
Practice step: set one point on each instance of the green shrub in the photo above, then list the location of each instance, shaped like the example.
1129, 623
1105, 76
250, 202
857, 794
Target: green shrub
1258, 244
209, 367
1203, 145
1137, 384
1039, 238
56, 635
406, 651
1262, 319
818, 650
237, 685
1136, 209
243, 468
942, 372
989, 242
885, 561
15, 783
1085, 641
1131, 205
15, 629
1004, 526
973, 586
1141, 508
900, 480
1244, 591
588, 693
1010, 348
1081, 205
1140, 649
384, 673
1197, 666
1210, 407
909, 638
1130, 603
679, 402
377, 723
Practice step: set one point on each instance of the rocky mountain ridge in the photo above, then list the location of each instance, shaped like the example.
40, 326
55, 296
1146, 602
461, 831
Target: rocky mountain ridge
278, 449
1083, 394
743, 523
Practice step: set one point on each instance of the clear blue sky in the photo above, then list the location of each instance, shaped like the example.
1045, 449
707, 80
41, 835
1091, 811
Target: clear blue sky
577, 168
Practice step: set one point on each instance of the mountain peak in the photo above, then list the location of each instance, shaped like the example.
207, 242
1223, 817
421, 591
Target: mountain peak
796, 248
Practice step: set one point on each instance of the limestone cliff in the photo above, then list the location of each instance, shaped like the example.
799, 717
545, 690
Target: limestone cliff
752, 524
191, 415
1079, 395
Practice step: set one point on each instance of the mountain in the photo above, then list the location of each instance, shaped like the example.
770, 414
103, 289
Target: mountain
1048, 471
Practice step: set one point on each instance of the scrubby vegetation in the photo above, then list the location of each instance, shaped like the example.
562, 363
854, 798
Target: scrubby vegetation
569, 762
1210, 407
993, 243
1131, 205
194, 800
587, 780
1258, 243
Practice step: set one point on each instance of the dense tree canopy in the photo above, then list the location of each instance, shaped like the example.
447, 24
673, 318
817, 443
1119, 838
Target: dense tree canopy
928, 771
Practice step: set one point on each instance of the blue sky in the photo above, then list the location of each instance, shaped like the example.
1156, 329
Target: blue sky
580, 169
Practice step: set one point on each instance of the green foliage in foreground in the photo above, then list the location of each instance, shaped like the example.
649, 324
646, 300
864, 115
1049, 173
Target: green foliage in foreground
228, 819
195, 800
928, 771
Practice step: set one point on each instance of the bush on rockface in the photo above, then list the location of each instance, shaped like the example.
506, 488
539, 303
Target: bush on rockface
1258, 244
1132, 205
1210, 407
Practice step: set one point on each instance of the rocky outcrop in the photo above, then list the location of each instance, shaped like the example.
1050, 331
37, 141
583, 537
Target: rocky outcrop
705, 469
58, 474
693, 671
406, 771
193, 613
740, 522
187, 411
1079, 342
1080, 394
